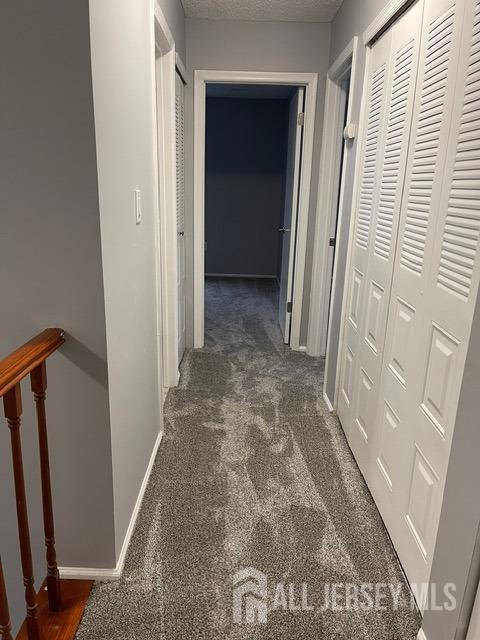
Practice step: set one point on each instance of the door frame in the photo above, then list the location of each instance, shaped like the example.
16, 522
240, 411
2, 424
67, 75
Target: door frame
202, 78
166, 62
180, 75
330, 201
287, 266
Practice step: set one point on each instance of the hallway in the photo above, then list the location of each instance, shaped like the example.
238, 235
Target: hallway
252, 472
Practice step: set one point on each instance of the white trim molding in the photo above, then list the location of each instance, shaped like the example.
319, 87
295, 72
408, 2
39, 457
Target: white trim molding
93, 573
344, 61
182, 70
165, 175
163, 36
383, 18
328, 195
308, 80
327, 402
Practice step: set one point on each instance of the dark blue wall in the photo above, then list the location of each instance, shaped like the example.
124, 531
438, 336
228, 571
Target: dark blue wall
246, 146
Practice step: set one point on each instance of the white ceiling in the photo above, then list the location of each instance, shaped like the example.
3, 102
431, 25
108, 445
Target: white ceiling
291, 10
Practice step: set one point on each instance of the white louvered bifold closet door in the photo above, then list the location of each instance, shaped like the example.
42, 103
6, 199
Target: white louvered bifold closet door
180, 173
435, 285
415, 266
392, 72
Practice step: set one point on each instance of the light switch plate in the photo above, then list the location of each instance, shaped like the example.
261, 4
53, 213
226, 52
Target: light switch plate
138, 206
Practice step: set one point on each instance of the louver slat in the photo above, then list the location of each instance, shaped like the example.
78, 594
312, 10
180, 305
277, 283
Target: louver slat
462, 223
426, 142
396, 136
180, 156
370, 157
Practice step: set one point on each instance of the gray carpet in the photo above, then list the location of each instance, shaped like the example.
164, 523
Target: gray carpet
252, 472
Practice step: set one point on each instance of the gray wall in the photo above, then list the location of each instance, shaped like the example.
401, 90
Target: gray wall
351, 20
61, 256
175, 17
124, 102
51, 275
246, 146
256, 46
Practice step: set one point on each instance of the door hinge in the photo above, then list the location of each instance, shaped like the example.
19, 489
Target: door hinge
332, 242
289, 307
301, 119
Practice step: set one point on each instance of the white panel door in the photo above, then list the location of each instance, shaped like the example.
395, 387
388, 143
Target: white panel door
393, 68
435, 285
288, 228
180, 145
367, 178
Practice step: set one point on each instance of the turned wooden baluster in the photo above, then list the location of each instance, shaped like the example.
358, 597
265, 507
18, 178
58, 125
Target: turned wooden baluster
12, 404
38, 379
5, 626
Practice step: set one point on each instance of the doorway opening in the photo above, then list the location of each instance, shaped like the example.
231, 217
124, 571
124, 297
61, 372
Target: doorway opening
332, 230
252, 169
253, 149
338, 243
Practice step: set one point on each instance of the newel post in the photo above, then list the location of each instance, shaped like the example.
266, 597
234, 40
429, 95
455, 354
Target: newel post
5, 626
12, 404
38, 379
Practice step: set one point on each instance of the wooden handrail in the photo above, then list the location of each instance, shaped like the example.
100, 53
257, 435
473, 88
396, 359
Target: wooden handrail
24, 360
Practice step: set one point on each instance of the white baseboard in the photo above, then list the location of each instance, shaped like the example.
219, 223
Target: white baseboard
301, 348
165, 390
83, 573
421, 635
327, 402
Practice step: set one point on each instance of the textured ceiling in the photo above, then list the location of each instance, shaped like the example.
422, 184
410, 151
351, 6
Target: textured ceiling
296, 10
252, 91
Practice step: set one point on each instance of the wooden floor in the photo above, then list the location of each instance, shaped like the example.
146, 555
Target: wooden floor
62, 625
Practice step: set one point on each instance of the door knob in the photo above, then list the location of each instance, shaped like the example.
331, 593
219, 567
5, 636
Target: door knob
181, 233
283, 230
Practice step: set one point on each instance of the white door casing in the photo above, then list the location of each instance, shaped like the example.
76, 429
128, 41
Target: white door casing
335, 262
180, 188
414, 266
202, 77
288, 229
167, 248
334, 204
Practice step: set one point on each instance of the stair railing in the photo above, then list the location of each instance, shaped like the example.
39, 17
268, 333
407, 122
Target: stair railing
30, 359
5, 626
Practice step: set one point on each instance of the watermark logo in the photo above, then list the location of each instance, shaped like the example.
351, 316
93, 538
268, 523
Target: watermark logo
254, 597
249, 597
